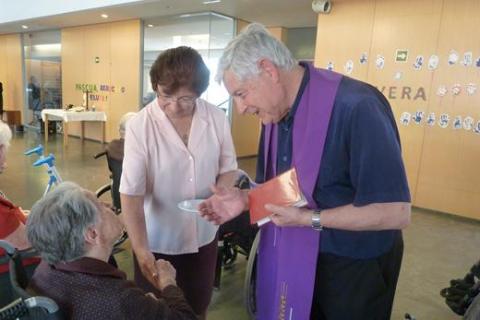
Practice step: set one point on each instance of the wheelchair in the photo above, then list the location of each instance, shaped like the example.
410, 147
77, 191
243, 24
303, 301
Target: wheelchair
112, 188
27, 306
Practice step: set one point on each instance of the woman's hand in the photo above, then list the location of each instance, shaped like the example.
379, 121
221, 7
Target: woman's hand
166, 274
224, 205
146, 262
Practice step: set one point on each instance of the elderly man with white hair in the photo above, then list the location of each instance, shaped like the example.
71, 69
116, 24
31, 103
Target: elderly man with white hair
74, 234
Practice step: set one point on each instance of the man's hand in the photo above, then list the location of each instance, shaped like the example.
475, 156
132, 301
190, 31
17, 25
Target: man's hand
146, 262
290, 216
224, 205
166, 274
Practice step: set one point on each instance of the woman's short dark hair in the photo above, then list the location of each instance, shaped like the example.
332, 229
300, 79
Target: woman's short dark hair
180, 67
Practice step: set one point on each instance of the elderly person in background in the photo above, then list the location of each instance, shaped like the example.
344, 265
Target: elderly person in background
74, 234
175, 149
115, 151
12, 223
116, 146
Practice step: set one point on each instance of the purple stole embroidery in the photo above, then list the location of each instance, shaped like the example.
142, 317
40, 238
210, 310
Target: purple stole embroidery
287, 257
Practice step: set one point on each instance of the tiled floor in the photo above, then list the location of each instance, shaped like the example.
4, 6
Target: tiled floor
438, 247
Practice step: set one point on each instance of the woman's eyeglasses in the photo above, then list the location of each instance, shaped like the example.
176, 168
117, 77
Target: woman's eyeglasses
184, 101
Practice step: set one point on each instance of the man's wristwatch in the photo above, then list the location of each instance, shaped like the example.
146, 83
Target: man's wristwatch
316, 224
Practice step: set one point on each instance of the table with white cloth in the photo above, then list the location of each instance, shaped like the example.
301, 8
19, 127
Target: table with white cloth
69, 116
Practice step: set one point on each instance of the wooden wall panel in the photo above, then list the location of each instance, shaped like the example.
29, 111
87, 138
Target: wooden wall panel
398, 27
339, 40
11, 72
104, 55
245, 128
442, 164
449, 174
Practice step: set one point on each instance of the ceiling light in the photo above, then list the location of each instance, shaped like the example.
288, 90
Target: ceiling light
150, 25
211, 1
104, 16
24, 27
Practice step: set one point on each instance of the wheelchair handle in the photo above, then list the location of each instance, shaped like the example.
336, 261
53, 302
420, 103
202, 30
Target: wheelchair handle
100, 154
38, 150
46, 160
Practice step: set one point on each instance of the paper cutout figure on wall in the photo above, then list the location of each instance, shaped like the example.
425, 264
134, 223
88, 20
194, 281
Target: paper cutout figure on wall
431, 119
477, 62
467, 59
398, 75
418, 117
433, 62
405, 118
330, 66
457, 123
380, 62
418, 62
471, 88
453, 57
348, 67
444, 120
468, 123
456, 89
442, 90
477, 127
363, 58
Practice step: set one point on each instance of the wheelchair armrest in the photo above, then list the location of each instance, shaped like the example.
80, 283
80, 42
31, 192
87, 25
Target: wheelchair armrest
43, 302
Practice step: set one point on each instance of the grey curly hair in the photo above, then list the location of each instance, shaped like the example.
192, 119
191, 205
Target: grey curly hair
253, 44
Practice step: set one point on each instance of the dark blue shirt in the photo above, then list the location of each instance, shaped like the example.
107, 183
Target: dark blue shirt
361, 164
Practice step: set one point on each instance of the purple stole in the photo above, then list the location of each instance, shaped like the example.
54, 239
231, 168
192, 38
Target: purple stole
287, 257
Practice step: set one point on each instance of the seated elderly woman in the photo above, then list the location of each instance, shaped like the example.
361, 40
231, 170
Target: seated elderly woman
12, 224
74, 234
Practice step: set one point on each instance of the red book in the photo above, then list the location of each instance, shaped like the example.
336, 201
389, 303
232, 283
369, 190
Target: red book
283, 190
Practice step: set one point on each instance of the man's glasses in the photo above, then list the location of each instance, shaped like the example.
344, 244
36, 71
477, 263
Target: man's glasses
184, 101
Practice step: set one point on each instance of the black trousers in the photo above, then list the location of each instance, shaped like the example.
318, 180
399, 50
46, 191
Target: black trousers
353, 289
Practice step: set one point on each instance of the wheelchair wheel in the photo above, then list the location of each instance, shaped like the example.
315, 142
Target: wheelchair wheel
102, 190
249, 288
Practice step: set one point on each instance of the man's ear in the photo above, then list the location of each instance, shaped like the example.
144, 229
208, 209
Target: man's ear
269, 68
91, 235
